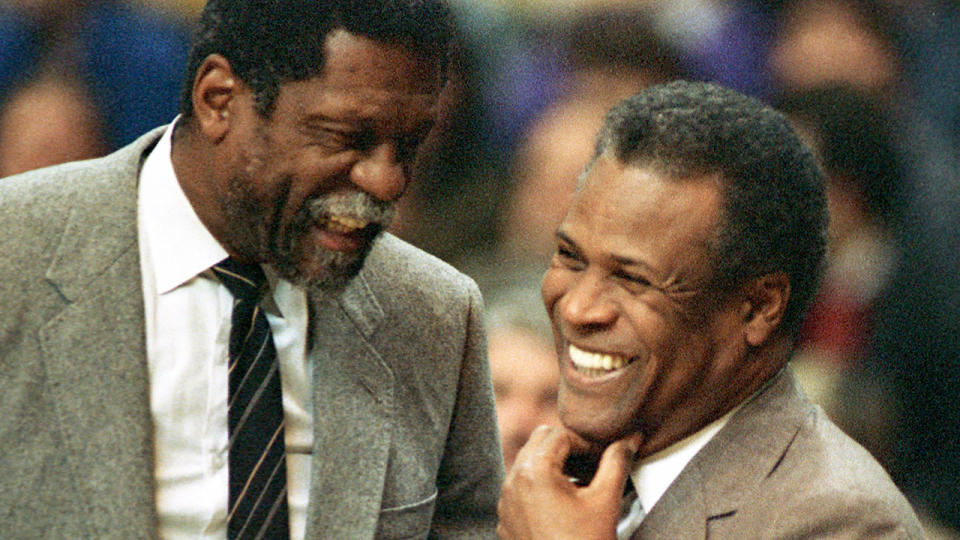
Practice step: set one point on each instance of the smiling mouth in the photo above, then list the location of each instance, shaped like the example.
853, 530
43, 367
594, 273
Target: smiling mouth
345, 233
595, 364
343, 224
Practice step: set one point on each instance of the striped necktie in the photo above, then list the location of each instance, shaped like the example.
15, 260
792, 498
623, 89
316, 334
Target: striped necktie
257, 466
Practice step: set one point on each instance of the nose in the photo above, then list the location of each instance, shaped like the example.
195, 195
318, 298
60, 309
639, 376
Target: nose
380, 173
586, 304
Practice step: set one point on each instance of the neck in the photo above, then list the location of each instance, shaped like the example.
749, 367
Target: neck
760, 366
195, 163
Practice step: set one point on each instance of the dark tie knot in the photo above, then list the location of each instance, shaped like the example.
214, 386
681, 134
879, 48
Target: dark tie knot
246, 281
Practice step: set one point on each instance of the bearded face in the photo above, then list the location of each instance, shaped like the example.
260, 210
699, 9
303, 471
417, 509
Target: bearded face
311, 264
312, 183
293, 248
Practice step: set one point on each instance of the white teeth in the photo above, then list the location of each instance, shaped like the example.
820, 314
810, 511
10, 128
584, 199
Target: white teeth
345, 224
584, 360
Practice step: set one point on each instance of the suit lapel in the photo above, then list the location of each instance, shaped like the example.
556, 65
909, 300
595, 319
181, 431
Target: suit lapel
95, 359
710, 490
680, 513
353, 409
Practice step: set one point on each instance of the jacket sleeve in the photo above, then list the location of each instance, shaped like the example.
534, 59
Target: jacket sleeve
471, 472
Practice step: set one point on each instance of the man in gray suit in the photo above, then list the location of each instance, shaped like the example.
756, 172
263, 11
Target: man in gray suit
684, 265
298, 128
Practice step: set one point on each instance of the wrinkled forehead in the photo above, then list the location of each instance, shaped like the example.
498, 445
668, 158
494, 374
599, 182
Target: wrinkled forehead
639, 213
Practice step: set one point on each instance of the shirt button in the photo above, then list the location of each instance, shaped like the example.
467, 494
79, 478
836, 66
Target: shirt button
217, 461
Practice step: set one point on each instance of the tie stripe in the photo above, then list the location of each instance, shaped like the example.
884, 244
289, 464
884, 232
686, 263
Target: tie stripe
253, 473
229, 268
273, 511
246, 376
257, 456
252, 326
246, 410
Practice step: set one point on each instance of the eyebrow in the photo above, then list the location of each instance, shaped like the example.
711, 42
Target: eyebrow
355, 122
566, 239
620, 260
317, 118
626, 261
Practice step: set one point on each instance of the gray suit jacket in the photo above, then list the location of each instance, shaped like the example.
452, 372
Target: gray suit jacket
781, 469
405, 435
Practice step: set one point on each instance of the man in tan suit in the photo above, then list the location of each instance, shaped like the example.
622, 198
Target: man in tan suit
683, 268
298, 129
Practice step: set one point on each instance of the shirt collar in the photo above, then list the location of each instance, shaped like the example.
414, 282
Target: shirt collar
180, 245
653, 474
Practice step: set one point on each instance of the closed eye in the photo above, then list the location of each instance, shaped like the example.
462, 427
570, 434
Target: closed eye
633, 278
333, 139
566, 256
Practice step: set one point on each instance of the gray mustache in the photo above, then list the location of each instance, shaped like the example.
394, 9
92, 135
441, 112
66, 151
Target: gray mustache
354, 204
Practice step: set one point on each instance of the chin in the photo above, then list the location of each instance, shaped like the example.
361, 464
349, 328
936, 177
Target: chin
593, 429
599, 439
317, 268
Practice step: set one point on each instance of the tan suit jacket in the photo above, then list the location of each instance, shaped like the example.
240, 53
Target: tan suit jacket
781, 469
405, 435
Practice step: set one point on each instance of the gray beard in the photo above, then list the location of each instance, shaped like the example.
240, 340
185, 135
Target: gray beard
332, 269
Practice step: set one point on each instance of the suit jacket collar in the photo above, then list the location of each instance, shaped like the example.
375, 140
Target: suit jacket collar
101, 229
360, 304
747, 450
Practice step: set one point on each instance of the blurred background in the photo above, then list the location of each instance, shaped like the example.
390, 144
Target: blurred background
874, 86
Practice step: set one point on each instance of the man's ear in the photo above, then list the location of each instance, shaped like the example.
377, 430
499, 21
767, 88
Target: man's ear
215, 91
764, 306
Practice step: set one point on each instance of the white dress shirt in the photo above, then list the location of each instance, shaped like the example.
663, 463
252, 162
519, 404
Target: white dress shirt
187, 335
653, 475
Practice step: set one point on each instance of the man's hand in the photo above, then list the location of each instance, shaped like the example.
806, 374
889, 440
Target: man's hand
539, 502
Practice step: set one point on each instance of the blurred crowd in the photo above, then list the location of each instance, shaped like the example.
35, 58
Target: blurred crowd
80, 78
874, 86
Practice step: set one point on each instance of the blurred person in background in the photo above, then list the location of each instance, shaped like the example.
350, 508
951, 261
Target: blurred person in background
49, 120
822, 42
609, 55
724, 41
852, 136
125, 60
523, 364
917, 345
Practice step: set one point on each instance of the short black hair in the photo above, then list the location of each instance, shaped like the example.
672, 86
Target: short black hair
272, 42
775, 212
